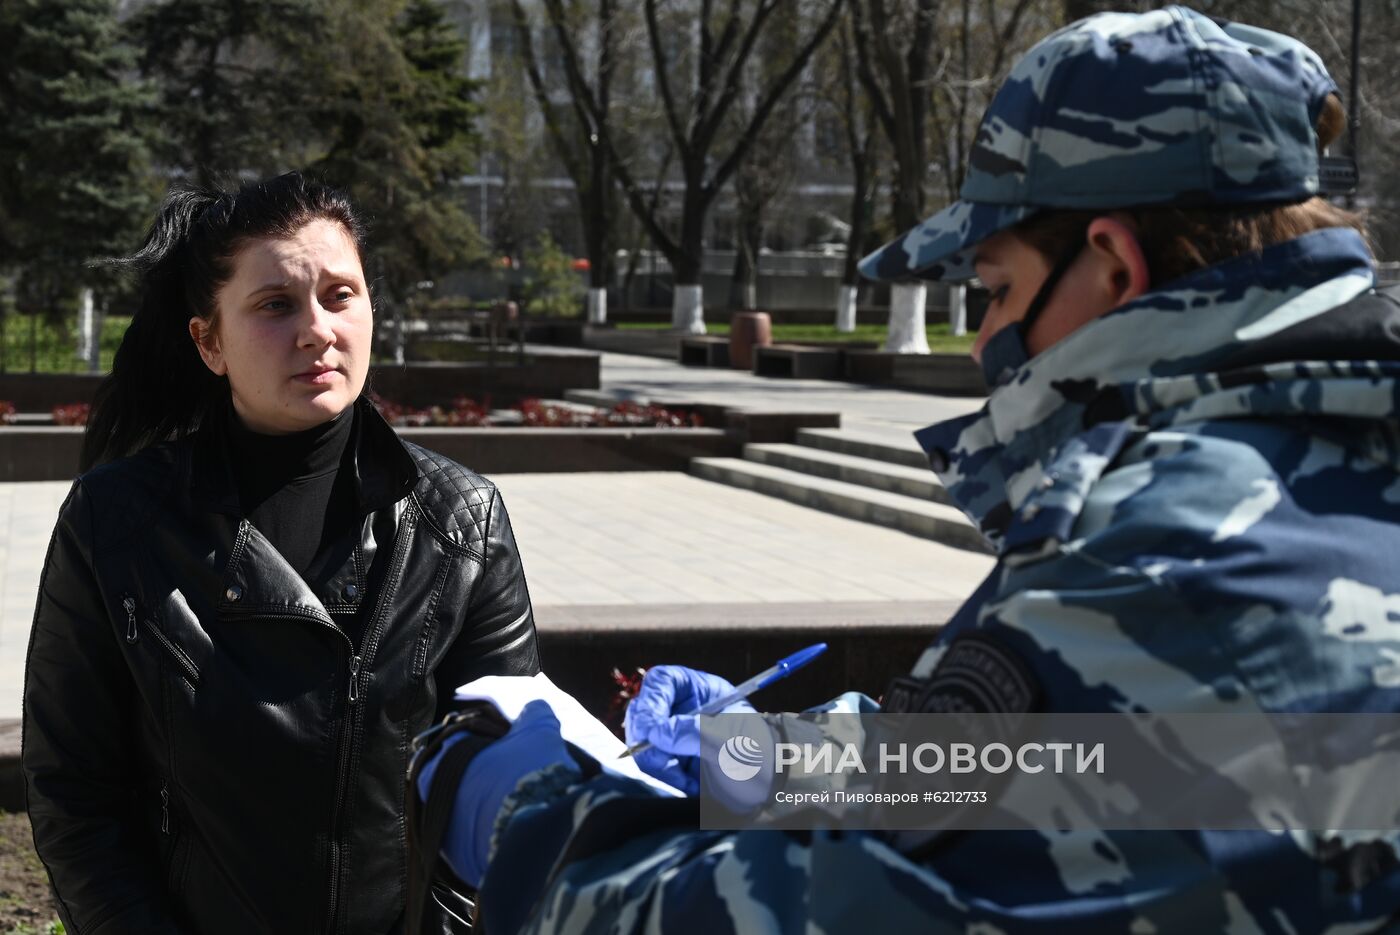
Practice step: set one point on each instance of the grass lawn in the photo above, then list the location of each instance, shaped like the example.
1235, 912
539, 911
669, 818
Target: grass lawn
54, 348
940, 340
28, 343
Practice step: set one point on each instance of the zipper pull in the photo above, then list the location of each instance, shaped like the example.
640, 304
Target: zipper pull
129, 605
354, 679
164, 808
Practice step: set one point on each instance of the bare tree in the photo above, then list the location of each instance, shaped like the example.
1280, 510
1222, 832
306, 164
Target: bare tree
929, 69
577, 145
637, 235
894, 63
719, 47
767, 174
986, 43
858, 120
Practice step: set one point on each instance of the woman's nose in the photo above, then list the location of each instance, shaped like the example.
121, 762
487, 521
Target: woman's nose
318, 325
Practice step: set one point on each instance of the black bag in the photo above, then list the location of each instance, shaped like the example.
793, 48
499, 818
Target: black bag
434, 891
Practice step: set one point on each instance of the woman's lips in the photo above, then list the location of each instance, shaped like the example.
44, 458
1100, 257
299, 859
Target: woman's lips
315, 376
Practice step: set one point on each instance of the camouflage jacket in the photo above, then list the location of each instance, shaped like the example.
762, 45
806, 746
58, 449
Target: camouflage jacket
1195, 503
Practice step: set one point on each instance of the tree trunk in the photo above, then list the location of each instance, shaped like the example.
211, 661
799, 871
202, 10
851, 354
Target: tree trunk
101, 323
687, 304
846, 296
862, 214
908, 188
599, 262
629, 276
957, 308
87, 325
743, 287
907, 334
688, 309
597, 306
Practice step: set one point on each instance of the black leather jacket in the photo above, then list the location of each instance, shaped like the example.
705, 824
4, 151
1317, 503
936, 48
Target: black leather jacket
209, 745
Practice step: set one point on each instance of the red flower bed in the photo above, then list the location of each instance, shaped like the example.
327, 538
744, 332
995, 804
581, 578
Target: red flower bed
468, 413
463, 413
622, 415
72, 414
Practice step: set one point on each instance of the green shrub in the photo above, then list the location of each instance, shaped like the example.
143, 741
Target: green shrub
552, 286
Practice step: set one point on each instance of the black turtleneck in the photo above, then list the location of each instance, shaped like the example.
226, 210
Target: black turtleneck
287, 485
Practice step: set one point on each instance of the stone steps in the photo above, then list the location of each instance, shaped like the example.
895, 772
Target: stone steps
919, 517
861, 445
919, 483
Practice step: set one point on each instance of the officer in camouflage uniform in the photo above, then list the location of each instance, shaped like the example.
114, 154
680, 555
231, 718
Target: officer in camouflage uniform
1194, 499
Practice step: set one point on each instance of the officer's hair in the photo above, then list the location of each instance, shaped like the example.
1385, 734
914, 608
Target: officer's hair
159, 388
1179, 240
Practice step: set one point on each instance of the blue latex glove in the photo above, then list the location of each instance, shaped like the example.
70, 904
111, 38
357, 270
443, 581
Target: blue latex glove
532, 744
663, 714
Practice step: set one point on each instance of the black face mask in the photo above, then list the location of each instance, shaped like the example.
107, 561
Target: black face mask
1006, 352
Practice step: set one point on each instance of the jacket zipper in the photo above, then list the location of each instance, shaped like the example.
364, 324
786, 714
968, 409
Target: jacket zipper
129, 605
176, 653
357, 661
186, 665
178, 843
388, 589
328, 624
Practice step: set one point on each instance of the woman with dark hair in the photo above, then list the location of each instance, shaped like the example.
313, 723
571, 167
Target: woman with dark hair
255, 595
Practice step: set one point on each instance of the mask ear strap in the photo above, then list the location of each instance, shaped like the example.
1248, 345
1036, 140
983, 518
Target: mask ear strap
1047, 288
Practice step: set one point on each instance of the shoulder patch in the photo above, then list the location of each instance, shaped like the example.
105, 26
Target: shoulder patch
976, 675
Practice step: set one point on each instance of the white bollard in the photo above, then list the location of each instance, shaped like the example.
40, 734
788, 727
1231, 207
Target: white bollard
597, 306
907, 334
846, 308
957, 308
688, 310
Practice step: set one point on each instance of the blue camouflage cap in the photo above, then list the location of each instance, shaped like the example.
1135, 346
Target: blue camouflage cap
1128, 109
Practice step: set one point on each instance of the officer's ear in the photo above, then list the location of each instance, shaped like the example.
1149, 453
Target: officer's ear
1119, 267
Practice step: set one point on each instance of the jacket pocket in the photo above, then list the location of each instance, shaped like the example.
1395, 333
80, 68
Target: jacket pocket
182, 662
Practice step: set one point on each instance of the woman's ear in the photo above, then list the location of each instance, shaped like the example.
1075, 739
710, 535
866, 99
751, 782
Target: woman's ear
208, 345
1120, 265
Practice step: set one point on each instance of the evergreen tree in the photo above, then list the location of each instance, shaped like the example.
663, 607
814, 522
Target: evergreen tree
240, 83
404, 132
74, 171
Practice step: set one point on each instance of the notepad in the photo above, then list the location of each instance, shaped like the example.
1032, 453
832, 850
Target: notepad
510, 694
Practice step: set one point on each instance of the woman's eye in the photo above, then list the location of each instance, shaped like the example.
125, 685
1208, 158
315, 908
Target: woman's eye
342, 295
999, 293
277, 305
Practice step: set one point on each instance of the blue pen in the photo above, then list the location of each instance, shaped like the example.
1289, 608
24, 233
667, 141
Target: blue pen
744, 689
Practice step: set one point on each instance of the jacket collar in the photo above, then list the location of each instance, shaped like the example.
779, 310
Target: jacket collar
1141, 356
384, 470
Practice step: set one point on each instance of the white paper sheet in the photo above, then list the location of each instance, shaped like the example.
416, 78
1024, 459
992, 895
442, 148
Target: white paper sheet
510, 694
